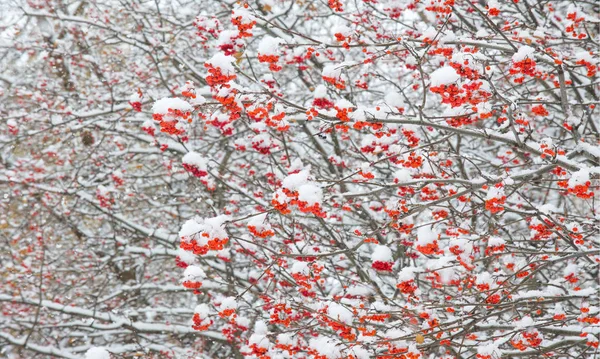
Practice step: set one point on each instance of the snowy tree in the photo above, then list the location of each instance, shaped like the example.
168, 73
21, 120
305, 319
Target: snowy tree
412, 179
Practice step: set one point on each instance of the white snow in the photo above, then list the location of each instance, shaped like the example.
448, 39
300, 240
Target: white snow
558, 309
193, 274
342, 29
394, 99
295, 180
327, 347
407, 273
148, 124
102, 190
259, 337
490, 349
403, 175
382, 254
464, 245
203, 310
320, 92
228, 303
135, 97
525, 322
243, 13
332, 70
195, 159
269, 45
430, 33
579, 178
190, 227
572, 120
262, 140
494, 192
227, 37
585, 55
482, 33
549, 208
343, 103
340, 313
571, 268
359, 352
426, 235
493, 4
185, 256
589, 148
359, 290
496, 241
258, 221
163, 105
225, 63
260, 340
444, 76
310, 194
523, 53
209, 23
444, 268
261, 327
212, 226
97, 353
285, 339
300, 268
484, 278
